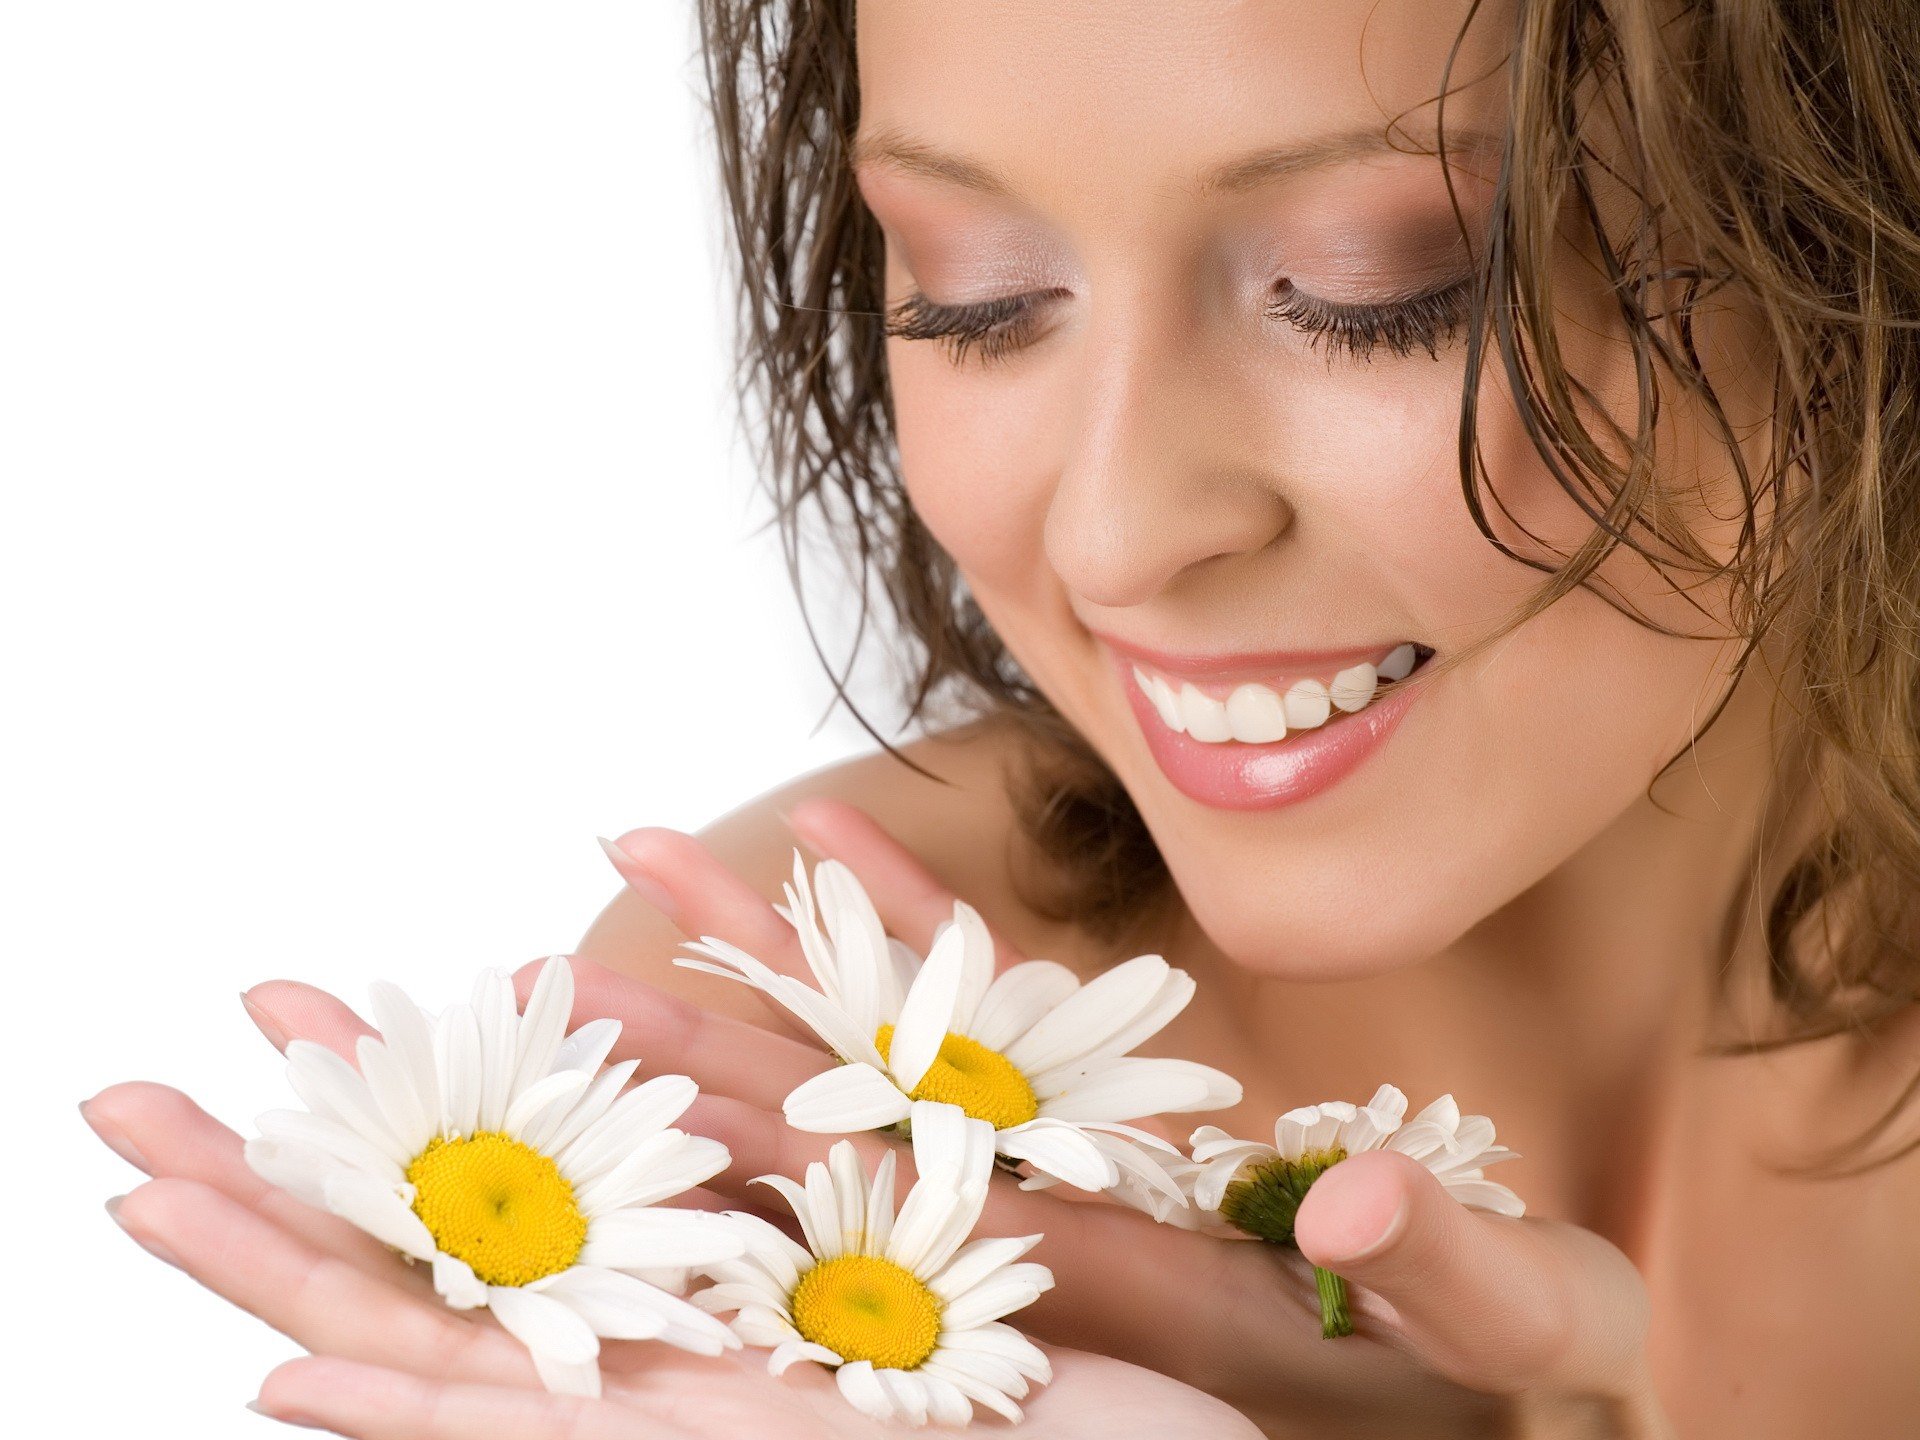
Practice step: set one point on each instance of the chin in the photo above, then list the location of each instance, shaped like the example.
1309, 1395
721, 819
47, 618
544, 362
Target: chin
1348, 917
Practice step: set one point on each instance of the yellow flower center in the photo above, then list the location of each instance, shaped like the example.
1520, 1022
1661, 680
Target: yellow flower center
982, 1082
864, 1308
501, 1206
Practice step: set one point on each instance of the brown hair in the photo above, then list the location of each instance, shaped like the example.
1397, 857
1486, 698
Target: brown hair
1772, 151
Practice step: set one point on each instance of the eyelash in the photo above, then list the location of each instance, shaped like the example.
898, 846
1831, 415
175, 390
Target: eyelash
996, 328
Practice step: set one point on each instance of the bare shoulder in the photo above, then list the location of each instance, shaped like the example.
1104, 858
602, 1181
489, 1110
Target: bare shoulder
954, 812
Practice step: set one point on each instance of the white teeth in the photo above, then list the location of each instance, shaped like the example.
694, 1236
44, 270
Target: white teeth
1398, 664
1206, 717
1165, 702
1307, 705
1353, 688
1256, 715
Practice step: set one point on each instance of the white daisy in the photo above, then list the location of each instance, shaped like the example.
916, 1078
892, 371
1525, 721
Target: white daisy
1033, 1052
493, 1147
1257, 1188
904, 1309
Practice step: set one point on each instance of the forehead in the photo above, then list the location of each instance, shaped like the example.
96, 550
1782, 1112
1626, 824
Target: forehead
1166, 94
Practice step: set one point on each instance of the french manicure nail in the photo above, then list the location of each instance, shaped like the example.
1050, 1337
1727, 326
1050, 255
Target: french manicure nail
639, 880
269, 1027
114, 1140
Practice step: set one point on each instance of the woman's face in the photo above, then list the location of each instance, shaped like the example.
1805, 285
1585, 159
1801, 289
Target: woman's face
1200, 470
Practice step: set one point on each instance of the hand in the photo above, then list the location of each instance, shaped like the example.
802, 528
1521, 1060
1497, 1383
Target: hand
391, 1362
1467, 1321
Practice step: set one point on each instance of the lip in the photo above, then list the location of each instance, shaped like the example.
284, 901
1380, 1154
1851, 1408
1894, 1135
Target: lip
1242, 664
1236, 776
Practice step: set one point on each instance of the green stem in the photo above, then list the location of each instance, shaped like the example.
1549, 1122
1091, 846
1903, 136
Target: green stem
1334, 1320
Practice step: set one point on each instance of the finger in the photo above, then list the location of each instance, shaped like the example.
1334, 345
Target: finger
1493, 1303
911, 900
289, 1010
320, 1301
682, 878
371, 1402
724, 1056
162, 1132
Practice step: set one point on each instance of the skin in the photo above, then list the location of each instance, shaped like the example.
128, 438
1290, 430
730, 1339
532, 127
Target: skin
1493, 905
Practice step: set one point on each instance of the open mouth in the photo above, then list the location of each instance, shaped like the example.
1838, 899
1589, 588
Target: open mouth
1267, 710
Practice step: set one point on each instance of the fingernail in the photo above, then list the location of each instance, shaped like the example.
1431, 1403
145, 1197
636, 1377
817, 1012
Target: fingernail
269, 1027
152, 1247
1383, 1237
114, 1140
639, 880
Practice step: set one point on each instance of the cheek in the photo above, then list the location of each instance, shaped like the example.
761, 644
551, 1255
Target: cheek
973, 466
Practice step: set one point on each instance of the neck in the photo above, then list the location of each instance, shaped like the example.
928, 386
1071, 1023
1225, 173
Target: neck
1568, 1014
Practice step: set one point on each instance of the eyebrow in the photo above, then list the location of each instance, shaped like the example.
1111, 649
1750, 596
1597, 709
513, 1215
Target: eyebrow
898, 151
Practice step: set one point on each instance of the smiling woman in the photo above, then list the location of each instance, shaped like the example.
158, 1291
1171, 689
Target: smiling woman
1410, 513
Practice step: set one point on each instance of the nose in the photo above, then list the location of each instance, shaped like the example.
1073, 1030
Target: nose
1162, 474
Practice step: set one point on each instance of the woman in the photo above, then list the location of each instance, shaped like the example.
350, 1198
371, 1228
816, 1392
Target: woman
1412, 511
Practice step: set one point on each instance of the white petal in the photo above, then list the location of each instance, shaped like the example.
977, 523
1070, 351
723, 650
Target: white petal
544, 1325
976, 976
588, 1047
663, 1166
553, 1132
795, 1194
945, 1404
1061, 1151
842, 1034
456, 1047
869, 991
1002, 1342
1016, 1001
376, 1209
974, 1389
878, 1226
846, 1100
563, 1379
455, 1282
1088, 1020
544, 1026
927, 1015
863, 1390
392, 1088
823, 1202
644, 1238
493, 1007
623, 1308
1006, 1291
1127, 1087
1487, 1195
637, 1116
789, 1353
559, 1089
909, 1400
300, 1170
409, 1040
771, 1249
331, 1087
331, 1138
977, 1260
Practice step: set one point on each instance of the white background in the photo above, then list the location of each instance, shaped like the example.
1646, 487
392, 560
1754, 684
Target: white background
375, 533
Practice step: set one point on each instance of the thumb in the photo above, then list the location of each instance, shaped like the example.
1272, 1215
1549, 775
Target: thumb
1492, 1303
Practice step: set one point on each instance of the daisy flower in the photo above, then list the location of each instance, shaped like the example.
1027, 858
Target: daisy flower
1257, 1188
493, 1147
1037, 1055
904, 1309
